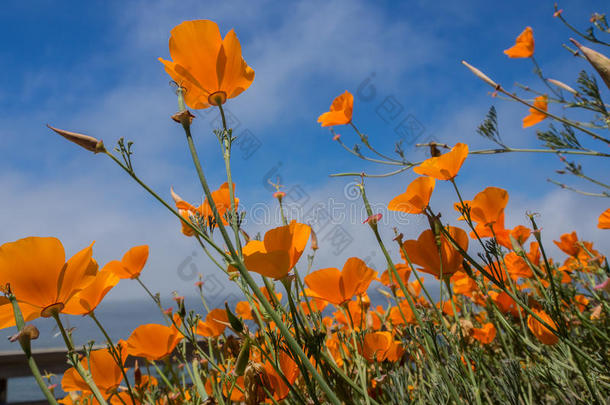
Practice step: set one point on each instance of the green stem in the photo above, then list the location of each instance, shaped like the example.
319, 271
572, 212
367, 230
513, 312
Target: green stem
85, 374
25, 346
117, 356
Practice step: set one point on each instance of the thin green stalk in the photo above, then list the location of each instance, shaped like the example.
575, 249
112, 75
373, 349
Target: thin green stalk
26, 347
85, 374
116, 355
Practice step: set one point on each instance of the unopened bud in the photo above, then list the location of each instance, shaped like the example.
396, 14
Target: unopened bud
255, 382
599, 61
480, 75
314, 240
185, 117
88, 142
29, 332
563, 86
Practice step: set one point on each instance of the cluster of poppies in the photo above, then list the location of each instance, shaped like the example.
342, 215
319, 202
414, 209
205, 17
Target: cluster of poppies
325, 337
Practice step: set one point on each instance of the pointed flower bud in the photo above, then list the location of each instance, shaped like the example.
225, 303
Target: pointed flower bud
599, 61
480, 75
88, 142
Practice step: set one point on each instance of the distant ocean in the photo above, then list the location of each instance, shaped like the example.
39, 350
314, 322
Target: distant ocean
119, 318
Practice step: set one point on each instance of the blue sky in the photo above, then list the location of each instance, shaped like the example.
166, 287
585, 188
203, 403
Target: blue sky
92, 67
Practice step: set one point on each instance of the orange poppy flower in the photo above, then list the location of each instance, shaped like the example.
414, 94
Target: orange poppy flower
244, 310
213, 325
228, 385
524, 45
338, 287
401, 313
488, 206
87, 299
40, 278
279, 252
505, 303
289, 369
131, 264
316, 304
446, 166
378, 345
434, 260
203, 214
152, 341
105, 372
542, 333
463, 284
404, 272
416, 198
210, 68
568, 244
486, 334
521, 234
357, 316
536, 116
340, 111
604, 220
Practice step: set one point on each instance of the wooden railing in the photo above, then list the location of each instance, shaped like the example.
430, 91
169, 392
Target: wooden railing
14, 364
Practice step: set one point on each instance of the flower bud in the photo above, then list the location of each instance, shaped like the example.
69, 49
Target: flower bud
480, 75
599, 61
88, 142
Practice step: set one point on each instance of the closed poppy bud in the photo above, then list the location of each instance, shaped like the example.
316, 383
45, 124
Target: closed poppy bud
236, 323
314, 240
242, 358
599, 61
88, 142
480, 75
255, 382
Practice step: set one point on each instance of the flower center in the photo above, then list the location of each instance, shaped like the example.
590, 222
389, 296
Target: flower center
52, 309
217, 98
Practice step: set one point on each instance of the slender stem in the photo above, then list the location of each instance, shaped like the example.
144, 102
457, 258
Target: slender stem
26, 347
116, 354
85, 374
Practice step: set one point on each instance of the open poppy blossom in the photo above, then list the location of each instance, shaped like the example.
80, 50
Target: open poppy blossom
340, 111
87, 299
338, 287
541, 332
279, 252
568, 243
203, 215
290, 370
404, 272
524, 45
131, 264
488, 206
380, 346
604, 220
104, 370
210, 68
215, 323
153, 341
440, 262
416, 198
536, 116
40, 277
445, 166
486, 334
